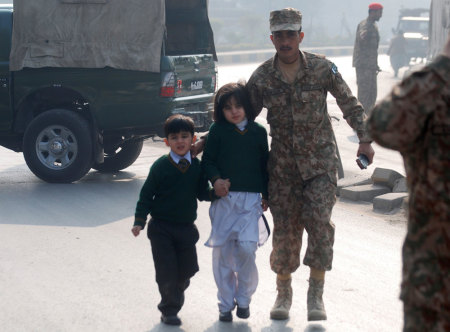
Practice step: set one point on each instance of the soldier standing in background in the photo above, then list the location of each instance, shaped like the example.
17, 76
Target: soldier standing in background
397, 52
415, 120
293, 86
365, 57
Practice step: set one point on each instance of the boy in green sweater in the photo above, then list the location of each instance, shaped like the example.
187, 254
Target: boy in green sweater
169, 195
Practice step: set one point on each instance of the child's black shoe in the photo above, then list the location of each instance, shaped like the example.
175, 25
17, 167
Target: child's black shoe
243, 312
171, 319
225, 316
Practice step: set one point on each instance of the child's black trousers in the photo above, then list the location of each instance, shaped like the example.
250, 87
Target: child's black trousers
175, 259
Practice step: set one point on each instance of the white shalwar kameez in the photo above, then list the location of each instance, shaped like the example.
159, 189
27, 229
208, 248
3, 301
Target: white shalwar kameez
234, 239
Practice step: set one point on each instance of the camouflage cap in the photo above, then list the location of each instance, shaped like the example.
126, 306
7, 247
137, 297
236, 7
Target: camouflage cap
285, 19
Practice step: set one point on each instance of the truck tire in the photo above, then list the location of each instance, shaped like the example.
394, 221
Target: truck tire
118, 159
58, 146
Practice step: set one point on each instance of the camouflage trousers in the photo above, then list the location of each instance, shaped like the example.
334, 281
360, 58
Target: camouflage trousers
425, 290
420, 319
366, 79
296, 205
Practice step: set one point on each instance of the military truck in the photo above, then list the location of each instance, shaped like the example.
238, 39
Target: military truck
84, 82
414, 23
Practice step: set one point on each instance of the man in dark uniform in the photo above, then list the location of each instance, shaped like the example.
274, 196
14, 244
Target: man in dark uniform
365, 57
293, 86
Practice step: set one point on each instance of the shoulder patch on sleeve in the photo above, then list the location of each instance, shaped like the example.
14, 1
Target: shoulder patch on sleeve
334, 69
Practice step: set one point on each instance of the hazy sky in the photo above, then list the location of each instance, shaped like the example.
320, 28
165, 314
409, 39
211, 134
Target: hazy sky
330, 13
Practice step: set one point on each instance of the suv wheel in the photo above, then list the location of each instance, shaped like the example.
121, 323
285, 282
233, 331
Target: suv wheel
119, 158
57, 146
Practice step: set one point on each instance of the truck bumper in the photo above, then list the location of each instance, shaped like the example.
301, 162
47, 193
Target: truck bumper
199, 108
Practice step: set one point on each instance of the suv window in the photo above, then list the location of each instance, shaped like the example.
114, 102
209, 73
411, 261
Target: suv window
188, 28
414, 26
5, 34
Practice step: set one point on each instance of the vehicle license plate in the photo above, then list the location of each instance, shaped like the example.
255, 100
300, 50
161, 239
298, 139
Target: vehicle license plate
196, 85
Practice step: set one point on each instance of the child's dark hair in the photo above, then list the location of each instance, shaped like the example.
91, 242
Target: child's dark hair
223, 95
178, 122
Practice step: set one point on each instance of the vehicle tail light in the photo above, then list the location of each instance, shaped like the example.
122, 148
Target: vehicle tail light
168, 85
214, 82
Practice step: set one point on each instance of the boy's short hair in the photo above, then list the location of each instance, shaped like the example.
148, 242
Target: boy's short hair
178, 122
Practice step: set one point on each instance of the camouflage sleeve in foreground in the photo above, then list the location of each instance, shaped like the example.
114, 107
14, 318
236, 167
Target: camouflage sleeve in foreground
415, 120
398, 121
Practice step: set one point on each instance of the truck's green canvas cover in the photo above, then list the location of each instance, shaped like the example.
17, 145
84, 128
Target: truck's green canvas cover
88, 34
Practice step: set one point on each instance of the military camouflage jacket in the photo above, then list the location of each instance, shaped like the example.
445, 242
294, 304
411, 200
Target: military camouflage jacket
297, 112
365, 51
415, 120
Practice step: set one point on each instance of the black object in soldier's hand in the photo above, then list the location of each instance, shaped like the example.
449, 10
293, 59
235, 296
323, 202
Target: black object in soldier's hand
362, 161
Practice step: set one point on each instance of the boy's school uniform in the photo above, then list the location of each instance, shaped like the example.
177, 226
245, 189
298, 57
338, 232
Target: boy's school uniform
169, 195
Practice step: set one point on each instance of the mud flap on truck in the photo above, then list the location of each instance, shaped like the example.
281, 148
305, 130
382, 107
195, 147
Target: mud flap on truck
13, 143
99, 153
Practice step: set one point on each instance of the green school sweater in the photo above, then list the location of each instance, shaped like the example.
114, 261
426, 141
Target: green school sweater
239, 156
170, 194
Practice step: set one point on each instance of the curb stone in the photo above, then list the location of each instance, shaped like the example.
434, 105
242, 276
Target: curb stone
386, 189
388, 202
400, 186
365, 192
346, 182
384, 176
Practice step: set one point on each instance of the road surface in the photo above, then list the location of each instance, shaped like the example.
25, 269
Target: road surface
68, 261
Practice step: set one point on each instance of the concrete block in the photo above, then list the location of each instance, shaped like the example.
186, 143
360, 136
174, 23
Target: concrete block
405, 204
349, 182
386, 177
388, 202
365, 192
400, 186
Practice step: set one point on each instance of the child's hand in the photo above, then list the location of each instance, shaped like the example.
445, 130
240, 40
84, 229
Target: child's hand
264, 204
221, 187
197, 147
136, 230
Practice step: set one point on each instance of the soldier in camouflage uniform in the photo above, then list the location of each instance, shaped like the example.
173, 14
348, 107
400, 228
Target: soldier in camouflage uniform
293, 86
415, 120
365, 57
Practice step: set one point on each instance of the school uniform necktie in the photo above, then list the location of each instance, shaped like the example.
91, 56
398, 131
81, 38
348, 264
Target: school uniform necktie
183, 164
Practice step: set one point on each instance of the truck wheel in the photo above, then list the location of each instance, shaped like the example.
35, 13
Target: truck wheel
57, 146
118, 159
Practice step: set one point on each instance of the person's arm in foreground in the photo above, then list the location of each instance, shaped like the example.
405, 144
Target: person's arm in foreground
398, 120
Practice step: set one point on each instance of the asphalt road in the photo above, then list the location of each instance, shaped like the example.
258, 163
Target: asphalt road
68, 261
